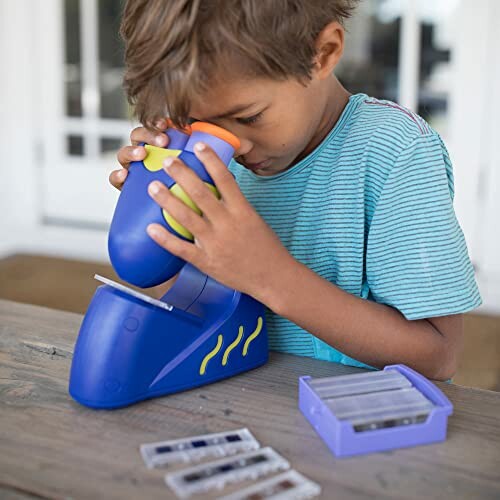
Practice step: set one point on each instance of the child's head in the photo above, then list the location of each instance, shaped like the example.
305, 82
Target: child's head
260, 68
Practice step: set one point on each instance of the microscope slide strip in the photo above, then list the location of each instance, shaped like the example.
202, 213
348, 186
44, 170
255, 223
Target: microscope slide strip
354, 378
386, 402
359, 384
287, 486
196, 448
215, 475
137, 295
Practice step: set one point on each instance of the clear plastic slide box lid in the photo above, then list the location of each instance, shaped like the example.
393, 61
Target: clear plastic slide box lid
375, 411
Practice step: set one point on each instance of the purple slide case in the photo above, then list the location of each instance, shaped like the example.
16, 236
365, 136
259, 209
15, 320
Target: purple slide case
344, 441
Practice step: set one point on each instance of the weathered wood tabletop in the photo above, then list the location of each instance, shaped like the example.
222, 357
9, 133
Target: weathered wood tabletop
51, 447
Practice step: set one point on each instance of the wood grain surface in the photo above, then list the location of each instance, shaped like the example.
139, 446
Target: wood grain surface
51, 447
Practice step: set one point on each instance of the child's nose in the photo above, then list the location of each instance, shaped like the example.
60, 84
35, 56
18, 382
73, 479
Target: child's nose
245, 147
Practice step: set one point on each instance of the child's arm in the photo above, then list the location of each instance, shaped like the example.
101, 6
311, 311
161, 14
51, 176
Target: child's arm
236, 247
373, 333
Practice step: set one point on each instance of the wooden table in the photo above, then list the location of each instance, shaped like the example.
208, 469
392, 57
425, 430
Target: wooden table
51, 447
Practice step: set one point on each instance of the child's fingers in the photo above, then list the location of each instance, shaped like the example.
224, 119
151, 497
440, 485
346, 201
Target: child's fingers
183, 249
162, 123
196, 189
222, 177
176, 208
130, 153
117, 178
141, 134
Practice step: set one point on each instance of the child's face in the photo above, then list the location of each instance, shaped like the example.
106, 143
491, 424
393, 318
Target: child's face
277, 122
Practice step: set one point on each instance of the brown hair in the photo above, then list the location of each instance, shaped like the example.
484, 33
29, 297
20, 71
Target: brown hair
174, 48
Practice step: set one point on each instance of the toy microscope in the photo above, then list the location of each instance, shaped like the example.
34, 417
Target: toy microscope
132, 347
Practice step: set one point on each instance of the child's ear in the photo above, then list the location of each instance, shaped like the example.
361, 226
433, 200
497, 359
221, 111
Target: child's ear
329, 47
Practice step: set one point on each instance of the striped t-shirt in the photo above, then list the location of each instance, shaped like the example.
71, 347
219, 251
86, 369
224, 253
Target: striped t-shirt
371, 211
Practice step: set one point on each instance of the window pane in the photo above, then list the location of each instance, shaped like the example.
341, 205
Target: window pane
435, 67
110, 145
113, 101
370, 61
73, 83
74, 145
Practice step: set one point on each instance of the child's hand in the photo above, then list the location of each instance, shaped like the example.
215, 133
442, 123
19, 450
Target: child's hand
232, 242
135, 152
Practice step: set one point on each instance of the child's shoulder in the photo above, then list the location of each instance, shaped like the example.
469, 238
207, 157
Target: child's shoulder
383, 132
390, 140
388, 113
389, 122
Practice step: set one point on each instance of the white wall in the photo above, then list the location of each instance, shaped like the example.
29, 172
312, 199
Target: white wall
21, 102
474, 134
19, 201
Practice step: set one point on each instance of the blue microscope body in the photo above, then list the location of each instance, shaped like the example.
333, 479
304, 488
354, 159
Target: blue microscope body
131, 347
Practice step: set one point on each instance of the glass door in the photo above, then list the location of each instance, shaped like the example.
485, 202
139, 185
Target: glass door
85, 117
400, 50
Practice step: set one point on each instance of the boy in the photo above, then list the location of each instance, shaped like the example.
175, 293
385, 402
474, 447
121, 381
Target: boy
339, 218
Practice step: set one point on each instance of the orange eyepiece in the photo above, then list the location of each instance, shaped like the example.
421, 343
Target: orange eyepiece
216, 131
185, 130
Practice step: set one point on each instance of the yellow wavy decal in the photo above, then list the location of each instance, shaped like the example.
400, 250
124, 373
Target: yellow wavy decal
210, 355
232, 346
253, 335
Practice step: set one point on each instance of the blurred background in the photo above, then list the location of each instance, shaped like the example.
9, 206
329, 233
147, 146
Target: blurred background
64, 116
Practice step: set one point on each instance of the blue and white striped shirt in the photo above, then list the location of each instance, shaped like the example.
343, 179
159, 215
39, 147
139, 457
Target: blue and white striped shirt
371, 211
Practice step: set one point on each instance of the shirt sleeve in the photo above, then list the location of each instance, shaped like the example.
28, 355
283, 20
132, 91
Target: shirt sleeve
416, 256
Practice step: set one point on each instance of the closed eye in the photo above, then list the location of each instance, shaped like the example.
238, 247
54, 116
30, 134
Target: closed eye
249, 120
